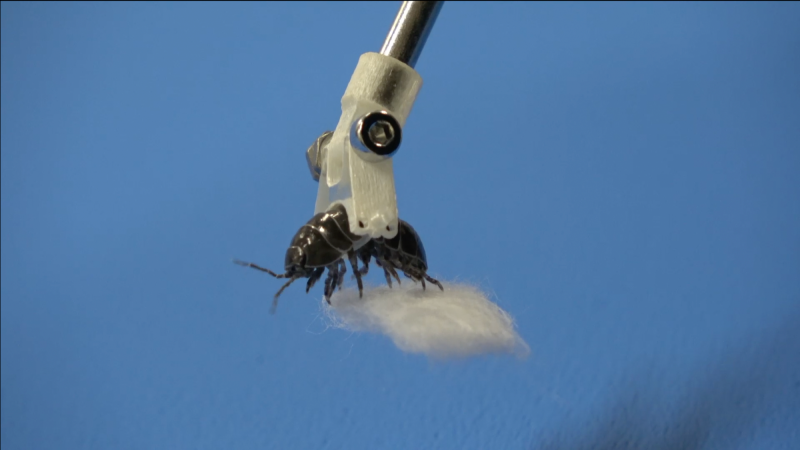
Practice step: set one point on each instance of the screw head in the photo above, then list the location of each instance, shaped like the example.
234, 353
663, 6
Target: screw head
379, 133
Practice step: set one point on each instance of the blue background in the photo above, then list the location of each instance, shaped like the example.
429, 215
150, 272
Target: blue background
624, 177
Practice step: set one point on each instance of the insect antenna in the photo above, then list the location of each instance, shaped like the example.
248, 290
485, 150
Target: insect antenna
254, 266
278, 294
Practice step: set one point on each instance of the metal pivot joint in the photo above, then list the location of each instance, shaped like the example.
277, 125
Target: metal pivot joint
353, 164
405, 42
376, 132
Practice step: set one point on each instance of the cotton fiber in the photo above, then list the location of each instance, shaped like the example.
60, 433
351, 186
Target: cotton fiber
459, 322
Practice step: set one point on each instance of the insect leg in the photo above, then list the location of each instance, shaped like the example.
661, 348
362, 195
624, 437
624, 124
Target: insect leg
393, 272
328, 286
354, 262
388, 277
342, 271
385, 270
365, 270
248, 264
388, 269
365, 259
434, 281
334, 273
314, 277
423, 283
278, 294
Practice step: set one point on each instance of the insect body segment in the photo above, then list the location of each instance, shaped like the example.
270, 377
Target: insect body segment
318, 245
324, 242
404, 253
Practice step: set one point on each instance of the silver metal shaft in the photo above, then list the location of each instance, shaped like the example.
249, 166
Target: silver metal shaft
410, 31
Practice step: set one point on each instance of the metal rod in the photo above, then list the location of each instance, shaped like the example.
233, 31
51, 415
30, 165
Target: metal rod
410, 31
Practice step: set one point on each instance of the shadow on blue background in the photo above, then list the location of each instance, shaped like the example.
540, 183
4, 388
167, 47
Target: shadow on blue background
730, 394
622, 176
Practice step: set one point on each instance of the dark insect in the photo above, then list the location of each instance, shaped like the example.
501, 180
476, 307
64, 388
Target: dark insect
404, 252
320, 244
325, 240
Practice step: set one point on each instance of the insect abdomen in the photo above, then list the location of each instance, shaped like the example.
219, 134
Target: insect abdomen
405, 248
325, 238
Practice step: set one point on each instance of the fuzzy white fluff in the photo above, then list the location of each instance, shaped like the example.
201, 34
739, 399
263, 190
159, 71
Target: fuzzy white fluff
459, 322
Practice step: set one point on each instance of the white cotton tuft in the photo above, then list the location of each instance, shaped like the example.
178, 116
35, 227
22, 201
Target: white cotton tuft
459, 322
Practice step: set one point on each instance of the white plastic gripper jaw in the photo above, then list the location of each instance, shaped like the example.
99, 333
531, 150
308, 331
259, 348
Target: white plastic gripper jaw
354, 163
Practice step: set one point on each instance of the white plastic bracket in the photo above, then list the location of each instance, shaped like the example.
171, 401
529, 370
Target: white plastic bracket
364, 182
